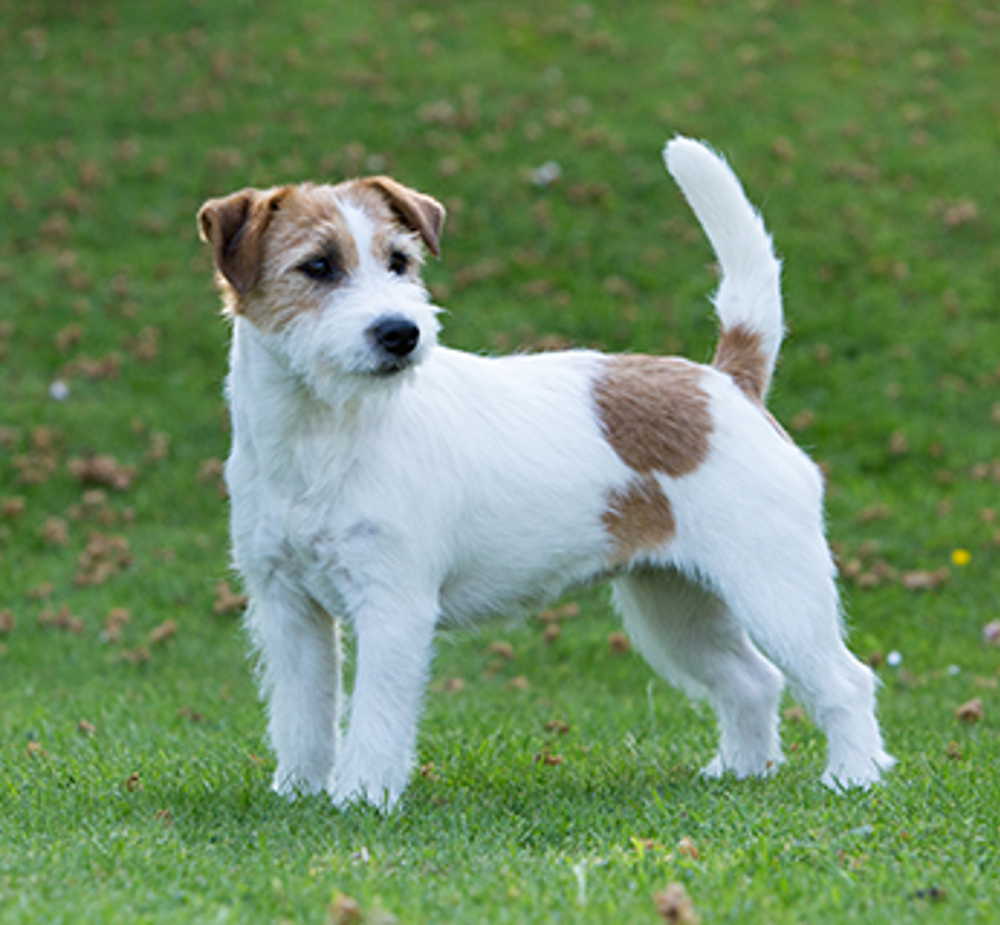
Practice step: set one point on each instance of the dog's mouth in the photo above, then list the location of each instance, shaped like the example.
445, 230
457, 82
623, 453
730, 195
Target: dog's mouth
393, 367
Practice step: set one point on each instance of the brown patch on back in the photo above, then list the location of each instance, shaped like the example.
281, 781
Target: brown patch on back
654, 413
639, 518
740, 355
656, 417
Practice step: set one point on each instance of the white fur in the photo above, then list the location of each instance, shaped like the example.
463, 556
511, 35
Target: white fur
465, 486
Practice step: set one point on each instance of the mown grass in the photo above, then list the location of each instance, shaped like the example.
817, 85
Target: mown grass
133, 773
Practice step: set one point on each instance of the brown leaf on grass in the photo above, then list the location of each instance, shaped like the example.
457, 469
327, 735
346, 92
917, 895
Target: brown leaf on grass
45, 589
164, 816
166, 630
674, 905
12, 508
102, 470
55, 532
877, 511
7, 623
86, 728
954, 751
35, 468
211, 470
114, 623
344, 910
61, 619
970, 712
962, 212
103, 557
551, 633
558, 614
228, 601
159, 447
558, 726
520, 683
502, 650
94, 368
687, 847
619, 643
132, 783
921, 580
137, 656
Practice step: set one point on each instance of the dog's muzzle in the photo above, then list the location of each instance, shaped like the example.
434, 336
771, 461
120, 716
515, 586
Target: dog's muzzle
396, 338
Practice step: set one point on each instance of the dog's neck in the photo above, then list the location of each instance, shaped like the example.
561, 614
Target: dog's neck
281, 419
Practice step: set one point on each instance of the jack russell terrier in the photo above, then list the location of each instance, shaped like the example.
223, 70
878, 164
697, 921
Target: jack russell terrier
384, 481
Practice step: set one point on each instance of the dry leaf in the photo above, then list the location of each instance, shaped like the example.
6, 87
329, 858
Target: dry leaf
674, 905
971, 712
619, 643
502, 649
687, 847
227, 601
925, 581
344, 911
163, 632
102, 470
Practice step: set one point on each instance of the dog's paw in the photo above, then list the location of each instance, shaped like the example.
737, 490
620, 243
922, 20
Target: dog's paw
861, 772
378, 787
292, 785
345, 793
742, 767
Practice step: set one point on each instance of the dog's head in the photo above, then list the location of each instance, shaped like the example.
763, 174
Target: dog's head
330, 275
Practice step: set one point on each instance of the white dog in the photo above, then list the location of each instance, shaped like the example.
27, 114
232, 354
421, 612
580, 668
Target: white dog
383, 480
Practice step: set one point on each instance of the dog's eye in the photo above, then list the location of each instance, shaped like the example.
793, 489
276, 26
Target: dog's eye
399, 263
324, 269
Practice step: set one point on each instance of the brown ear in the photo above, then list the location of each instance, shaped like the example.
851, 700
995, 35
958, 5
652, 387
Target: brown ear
421, 213
235, 226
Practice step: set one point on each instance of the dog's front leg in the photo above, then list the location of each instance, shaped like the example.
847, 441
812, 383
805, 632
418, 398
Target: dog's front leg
394, 643
300, 667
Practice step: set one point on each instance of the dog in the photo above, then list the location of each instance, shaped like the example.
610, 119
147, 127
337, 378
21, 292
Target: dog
382, 481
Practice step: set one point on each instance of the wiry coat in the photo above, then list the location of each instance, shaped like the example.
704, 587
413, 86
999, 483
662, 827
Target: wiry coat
381, 479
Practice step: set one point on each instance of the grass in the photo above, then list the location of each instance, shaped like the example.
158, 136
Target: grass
133, 772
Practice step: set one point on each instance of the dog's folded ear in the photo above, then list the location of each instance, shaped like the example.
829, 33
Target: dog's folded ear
417, 211
234, 225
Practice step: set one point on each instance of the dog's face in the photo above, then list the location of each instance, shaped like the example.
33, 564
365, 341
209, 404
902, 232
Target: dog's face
330, 275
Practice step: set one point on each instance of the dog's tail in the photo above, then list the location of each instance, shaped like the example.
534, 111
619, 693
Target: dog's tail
748, 301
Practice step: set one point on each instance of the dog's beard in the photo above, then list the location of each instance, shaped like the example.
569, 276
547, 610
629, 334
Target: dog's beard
337, 376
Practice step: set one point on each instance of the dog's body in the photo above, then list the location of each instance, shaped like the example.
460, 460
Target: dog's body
379, 478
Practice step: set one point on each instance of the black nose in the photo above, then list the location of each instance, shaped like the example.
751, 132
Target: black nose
396, 335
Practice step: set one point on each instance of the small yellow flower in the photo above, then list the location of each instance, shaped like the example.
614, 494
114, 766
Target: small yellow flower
961, 557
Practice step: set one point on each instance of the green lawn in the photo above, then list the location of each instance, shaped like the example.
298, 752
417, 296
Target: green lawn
560, 784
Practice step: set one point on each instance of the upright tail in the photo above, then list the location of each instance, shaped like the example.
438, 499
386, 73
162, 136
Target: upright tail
748, 301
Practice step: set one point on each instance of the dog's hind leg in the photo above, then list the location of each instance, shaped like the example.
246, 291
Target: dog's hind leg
777, 580
793, 615
690, 638
299, 652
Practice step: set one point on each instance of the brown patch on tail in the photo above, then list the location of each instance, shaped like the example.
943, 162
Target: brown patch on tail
741, 356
